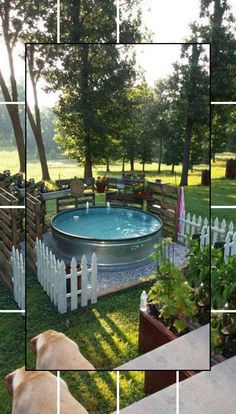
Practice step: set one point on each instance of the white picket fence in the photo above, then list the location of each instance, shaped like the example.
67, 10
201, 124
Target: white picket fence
216, 232
51, 274
18, 277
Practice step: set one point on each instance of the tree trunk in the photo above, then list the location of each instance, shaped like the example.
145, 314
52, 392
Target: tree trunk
76, 20
108, 165
35, 121
131, 164
173, 169
13, 111
143, 169
123, 164
88, 171
160, 155
186, 154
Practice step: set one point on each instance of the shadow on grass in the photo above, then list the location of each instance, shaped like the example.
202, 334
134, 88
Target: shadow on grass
106, 333
96, 391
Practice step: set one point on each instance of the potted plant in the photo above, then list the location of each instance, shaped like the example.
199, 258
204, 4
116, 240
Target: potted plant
101, 183
5, 179
171, 306
142, 190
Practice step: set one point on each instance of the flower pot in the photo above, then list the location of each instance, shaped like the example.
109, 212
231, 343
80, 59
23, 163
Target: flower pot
21, 192
101, 187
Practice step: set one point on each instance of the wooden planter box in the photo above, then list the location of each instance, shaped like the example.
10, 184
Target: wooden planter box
146, 195
152, 333
53, 195
155, 381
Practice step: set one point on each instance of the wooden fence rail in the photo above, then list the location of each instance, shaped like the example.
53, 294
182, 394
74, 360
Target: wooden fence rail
51, 274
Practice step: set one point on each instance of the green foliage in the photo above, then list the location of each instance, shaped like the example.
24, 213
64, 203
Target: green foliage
172, 295
217, 26
223, 325
91, 21
223, 129
198, 271
223, 281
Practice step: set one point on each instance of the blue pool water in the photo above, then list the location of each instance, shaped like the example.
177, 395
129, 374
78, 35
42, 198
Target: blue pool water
106, 223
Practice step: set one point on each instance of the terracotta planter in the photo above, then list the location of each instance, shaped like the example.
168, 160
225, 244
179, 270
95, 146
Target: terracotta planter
152, 333
101, 187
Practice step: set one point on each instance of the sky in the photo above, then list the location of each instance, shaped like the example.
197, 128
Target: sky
168, 20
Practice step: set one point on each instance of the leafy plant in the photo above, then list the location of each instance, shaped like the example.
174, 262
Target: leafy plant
223, 325
141, 187
198, 271
171, 294
223, 281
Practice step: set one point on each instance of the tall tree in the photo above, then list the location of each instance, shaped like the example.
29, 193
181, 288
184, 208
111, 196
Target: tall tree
217, 26
95, 21
92, 80
189, 86
17, 17
35, 66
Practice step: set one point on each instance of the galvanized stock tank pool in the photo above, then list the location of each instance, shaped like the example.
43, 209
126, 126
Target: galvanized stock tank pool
119, 236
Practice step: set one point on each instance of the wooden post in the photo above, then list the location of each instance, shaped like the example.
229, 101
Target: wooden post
73, 279
94, 279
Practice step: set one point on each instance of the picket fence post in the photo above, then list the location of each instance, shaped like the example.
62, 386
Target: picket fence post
84, 281
94, 282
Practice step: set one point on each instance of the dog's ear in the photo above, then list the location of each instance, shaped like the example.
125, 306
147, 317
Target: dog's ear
9, 382
34, 344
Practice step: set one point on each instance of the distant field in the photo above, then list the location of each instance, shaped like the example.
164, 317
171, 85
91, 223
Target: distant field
69, 168
223, 191
196, 196
9, 160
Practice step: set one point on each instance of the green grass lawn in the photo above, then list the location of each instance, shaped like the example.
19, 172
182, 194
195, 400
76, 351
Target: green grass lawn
6, 299
97, 390
107, 333
9, 160
223, 190
12, 351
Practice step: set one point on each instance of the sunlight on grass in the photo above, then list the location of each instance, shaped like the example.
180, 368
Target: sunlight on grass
9, 160
223, 190
69, 168
96, 391
131, 380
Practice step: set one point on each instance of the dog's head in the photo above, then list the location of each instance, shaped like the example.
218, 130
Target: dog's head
13, 379
43, 338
